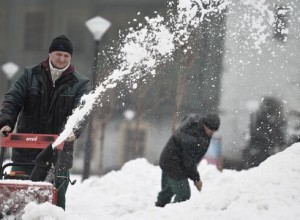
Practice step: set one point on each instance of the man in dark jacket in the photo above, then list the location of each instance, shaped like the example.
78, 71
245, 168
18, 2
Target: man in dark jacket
181, 155
41, 100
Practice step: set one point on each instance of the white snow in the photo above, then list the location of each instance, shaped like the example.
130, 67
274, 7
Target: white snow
270, 191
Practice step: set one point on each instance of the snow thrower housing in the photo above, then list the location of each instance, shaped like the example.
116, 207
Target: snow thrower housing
16, 190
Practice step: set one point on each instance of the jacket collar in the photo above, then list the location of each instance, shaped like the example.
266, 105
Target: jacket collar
45, 64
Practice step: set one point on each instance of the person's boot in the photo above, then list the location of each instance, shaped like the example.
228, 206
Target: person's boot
159, 204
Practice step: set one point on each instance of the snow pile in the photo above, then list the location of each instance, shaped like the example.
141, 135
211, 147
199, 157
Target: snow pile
44, 211
270, 191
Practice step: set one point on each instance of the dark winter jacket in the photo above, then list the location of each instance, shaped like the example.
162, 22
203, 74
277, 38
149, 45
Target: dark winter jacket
184, 150
40, 107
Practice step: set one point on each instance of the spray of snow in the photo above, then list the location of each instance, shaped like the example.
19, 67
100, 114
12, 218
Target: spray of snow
144, 49
149, 45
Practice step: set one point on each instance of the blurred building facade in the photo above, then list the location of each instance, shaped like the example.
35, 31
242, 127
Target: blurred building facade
27, 27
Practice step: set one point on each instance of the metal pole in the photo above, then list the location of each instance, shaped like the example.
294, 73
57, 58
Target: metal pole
89, 143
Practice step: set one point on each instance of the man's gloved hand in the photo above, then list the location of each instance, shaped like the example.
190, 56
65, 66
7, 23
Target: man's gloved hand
198, 185
5, 130
71, 137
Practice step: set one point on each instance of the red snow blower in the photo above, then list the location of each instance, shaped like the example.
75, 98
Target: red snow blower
18, 189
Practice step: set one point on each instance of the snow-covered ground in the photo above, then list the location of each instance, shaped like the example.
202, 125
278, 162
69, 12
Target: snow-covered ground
270, 191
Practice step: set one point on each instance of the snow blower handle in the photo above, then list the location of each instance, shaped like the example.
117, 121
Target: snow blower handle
4, 133
26, 140
5, 130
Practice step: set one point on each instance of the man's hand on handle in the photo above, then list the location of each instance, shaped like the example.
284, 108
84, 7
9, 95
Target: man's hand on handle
198, 185
71, 137
5, 130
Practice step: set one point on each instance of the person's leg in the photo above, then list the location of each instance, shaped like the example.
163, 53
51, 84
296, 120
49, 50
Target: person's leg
165, 195
61, 184
181, 189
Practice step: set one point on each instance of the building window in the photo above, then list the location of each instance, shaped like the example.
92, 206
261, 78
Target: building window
34, 31
281, 22
134, 141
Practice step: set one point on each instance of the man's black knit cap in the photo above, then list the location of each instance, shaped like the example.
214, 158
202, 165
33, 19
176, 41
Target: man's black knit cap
61, 43
212, 121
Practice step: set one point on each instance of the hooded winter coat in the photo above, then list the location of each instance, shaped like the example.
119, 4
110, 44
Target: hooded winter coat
184, 150
41, 108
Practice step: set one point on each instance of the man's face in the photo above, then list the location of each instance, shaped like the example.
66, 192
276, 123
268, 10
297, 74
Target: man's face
208, 131
60, 59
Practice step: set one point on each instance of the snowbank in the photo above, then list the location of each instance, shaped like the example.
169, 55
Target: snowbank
270, 191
